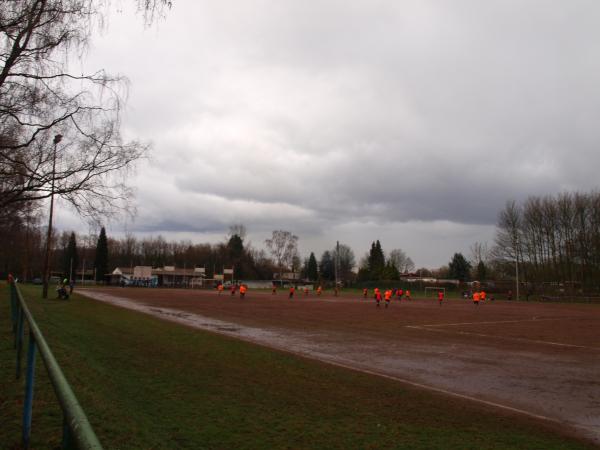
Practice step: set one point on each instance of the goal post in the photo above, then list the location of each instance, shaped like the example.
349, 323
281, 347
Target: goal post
433, 290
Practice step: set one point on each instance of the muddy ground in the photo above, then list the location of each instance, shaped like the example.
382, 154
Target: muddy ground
540, 360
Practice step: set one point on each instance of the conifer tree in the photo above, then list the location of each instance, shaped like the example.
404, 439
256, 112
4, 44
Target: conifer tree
101, 262
459, 267
376, 261
327, 266
71, 259
312, 269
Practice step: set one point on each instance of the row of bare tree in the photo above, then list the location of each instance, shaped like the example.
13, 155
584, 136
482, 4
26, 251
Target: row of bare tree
23, 249
553, 238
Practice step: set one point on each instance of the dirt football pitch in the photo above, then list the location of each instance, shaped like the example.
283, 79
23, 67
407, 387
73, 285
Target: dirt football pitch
538, 360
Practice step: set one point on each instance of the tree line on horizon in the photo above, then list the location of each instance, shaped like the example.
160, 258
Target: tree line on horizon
552, 239
23, 253
73, 253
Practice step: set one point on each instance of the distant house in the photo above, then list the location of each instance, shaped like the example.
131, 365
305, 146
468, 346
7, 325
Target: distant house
171, 276
120, 276
147, 276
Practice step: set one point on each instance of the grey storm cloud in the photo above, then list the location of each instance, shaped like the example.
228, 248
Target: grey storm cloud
319, 116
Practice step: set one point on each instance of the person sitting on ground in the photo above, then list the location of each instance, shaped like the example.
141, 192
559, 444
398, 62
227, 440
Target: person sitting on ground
61, 290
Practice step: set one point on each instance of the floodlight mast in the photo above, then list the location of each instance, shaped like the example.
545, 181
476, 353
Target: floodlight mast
57, 139
517, 266
337, 264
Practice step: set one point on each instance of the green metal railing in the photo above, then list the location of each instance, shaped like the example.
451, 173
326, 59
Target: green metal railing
77, 431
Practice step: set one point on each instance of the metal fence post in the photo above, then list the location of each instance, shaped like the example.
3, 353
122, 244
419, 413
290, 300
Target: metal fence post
11, 295
28, 405
66, 437
19, 340
14, 307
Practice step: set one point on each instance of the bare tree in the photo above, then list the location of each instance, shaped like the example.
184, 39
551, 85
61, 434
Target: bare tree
283, 246
346, 260
553, 238
508, 232
41, 99
237, 229
401, 261
479, 253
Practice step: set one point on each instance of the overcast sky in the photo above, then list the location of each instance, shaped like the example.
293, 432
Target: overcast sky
412, 122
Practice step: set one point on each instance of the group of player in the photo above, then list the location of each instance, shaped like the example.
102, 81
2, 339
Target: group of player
292, 291
242, 288
479, 296
387, 296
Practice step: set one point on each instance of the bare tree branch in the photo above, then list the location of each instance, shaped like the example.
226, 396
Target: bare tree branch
40, 98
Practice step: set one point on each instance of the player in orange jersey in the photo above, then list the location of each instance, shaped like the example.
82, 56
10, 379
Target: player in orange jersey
375, 292
233, 289
440, 296
292, 290
305, 291
407, 294
388, 297
365, 293
482, 296
243, 289
476, 298
399, 294
377, 296
220, 288
319, 290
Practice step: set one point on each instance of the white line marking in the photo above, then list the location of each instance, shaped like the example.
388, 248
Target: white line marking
506, 338
534, 319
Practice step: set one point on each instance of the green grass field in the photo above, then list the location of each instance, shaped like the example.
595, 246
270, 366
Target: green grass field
149, 384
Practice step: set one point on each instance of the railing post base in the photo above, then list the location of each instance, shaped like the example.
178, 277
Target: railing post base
19, 341
66, 437
28, 405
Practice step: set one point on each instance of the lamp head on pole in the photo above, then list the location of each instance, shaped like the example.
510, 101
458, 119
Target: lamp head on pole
57, 138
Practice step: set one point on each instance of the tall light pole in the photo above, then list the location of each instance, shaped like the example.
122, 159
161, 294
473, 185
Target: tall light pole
517, 265
337, 266
57, 139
